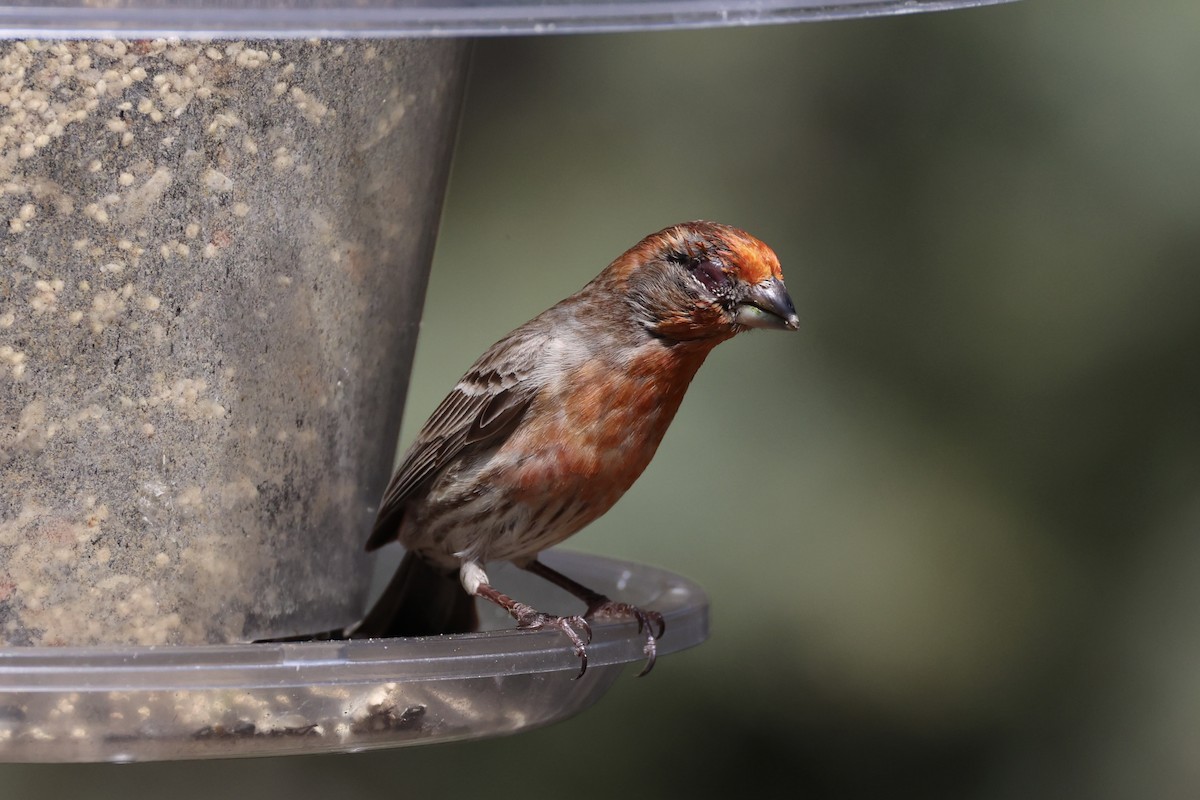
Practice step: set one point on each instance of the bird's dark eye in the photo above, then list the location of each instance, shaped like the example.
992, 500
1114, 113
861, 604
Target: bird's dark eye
710, 274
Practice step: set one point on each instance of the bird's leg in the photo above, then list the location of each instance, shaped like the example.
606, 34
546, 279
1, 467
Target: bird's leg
575, 628
600, 606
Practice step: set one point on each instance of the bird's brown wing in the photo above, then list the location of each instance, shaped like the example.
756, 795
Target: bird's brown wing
479, 413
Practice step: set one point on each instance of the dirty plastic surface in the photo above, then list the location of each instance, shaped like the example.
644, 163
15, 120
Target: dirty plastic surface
157, 703
426, 17
214, 260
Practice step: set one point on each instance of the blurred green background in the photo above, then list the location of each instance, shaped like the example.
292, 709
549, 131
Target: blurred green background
949, 529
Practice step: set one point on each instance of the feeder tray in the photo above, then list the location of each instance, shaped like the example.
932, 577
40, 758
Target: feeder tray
219, 701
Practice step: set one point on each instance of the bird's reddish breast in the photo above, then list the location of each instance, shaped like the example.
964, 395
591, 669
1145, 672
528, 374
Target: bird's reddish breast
606, 424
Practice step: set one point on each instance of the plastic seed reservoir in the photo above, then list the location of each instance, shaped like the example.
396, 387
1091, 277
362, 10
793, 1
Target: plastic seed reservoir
214, 259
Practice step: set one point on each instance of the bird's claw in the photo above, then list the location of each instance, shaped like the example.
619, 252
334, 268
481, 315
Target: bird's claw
575, 628
646, 620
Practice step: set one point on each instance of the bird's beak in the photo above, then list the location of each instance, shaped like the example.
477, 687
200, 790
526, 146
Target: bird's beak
767, 305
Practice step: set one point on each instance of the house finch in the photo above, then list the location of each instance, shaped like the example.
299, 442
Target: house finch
555, 422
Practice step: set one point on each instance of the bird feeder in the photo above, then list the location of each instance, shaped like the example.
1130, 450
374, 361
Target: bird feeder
216, 225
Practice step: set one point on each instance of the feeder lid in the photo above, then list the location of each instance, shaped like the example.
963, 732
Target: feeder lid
383, 18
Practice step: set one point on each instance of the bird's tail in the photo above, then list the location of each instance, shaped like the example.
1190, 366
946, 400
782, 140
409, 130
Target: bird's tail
420, 600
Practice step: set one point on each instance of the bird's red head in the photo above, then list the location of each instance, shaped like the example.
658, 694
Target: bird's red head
702, 281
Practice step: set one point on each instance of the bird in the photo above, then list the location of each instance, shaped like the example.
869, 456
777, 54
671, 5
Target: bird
553, 423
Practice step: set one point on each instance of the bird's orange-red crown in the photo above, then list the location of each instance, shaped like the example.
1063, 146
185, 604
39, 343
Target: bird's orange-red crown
740, 253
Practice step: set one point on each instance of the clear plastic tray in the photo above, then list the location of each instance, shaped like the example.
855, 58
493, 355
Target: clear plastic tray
157, 703
340, 18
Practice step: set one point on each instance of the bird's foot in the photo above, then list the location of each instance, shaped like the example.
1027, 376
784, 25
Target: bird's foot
575, 628
647, 622
600, 607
